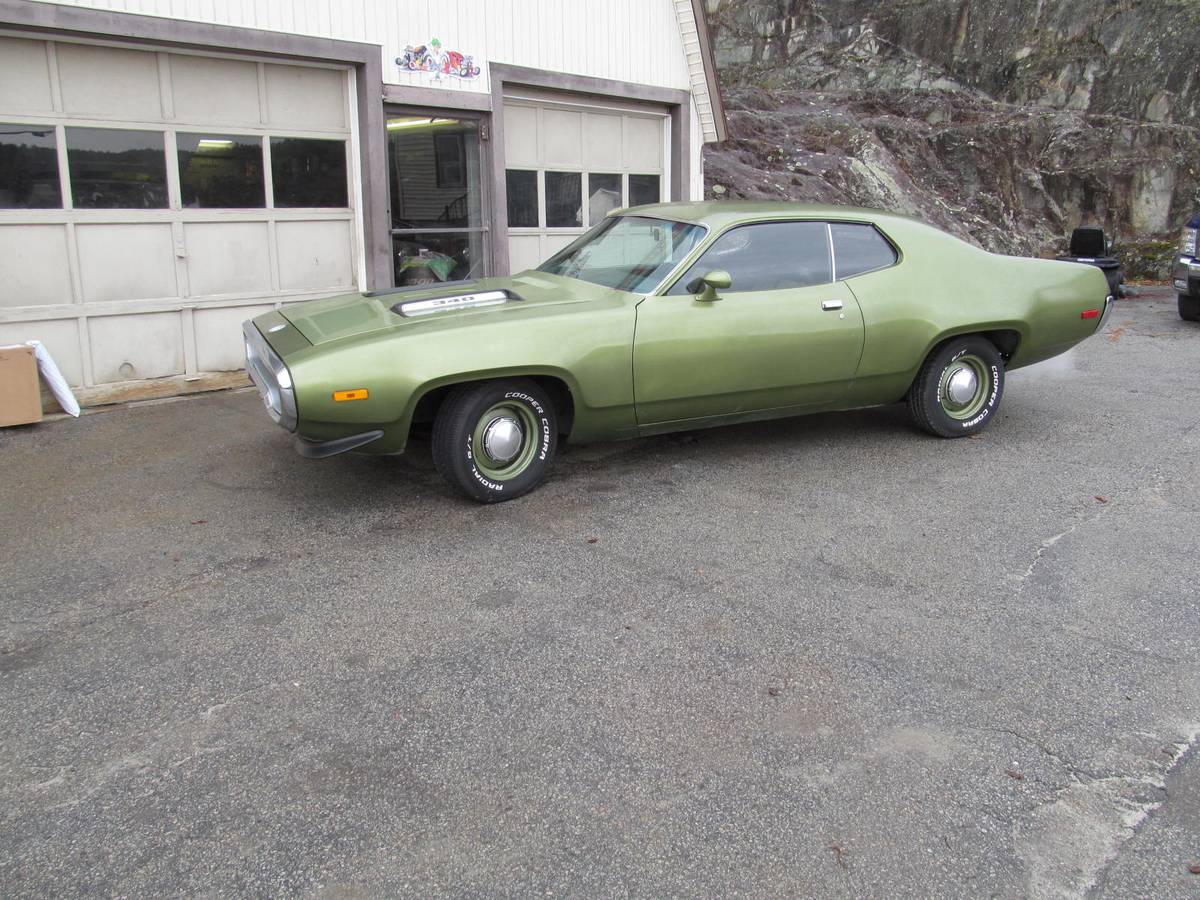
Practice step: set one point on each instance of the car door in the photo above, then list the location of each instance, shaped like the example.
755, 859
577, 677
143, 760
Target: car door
782, 335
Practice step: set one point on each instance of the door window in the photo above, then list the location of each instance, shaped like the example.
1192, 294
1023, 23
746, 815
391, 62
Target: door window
770, 256
438, 228
860, 248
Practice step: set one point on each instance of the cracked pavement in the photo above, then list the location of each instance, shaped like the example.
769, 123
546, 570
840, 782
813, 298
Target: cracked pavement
825, 656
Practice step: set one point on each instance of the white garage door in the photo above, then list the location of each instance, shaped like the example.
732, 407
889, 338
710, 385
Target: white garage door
150, 201
570, 163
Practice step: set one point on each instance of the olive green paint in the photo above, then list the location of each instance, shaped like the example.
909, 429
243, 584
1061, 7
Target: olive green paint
641, 364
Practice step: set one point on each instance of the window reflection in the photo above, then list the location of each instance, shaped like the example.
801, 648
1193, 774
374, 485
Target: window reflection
309, 172
435, 178
220, 171
644, 189
29, 167
522, 191
564, 199
117, 169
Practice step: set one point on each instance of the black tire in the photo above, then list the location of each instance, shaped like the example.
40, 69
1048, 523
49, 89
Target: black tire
460, 438
931, 402
1189, 308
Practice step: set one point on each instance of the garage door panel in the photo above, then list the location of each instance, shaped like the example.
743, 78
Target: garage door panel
61, 337
313, 255
524, 252
643, 144
126, 262
562, 138
219, 346
300, 97
103, 82
34, 267
126, 348
227, 257
215, 90
24, 76
520, 136
602, 141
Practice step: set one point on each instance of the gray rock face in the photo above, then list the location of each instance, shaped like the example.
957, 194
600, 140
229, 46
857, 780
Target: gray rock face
1008, 122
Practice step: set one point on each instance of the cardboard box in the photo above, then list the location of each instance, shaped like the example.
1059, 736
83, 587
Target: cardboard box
20, 399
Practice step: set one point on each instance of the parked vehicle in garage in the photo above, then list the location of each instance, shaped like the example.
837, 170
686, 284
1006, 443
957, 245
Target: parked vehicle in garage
671, 317
1090, 247
1186, 272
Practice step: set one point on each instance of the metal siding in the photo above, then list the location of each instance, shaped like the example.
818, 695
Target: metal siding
627, 40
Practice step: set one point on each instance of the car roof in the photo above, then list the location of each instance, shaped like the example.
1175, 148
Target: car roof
719, 213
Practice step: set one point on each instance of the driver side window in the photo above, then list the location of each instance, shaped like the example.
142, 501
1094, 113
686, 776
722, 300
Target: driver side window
770, 256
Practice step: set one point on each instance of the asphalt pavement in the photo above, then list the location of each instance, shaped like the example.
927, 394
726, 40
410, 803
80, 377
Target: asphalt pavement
828, 656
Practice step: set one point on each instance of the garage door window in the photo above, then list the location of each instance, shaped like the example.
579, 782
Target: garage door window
220, 171
564, 199
115, 168
644, 189
28, 167
309, 172
522, 192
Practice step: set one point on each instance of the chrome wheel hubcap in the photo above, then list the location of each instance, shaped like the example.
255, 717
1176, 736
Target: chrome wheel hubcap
502, 439
961, 386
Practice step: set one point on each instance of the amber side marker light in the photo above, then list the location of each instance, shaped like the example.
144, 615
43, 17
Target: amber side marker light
1089, 314
343, 396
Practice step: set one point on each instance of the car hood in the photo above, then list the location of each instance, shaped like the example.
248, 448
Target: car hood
532, 293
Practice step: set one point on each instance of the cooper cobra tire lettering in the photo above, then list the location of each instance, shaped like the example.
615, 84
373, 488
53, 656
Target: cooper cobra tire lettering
456, 426
926, 396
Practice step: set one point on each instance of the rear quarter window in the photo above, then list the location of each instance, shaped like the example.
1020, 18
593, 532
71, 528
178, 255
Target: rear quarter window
860, 248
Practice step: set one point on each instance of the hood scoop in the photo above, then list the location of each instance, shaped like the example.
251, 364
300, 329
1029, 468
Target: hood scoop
411, 308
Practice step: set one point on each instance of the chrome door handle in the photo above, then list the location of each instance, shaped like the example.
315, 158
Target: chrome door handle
827, 305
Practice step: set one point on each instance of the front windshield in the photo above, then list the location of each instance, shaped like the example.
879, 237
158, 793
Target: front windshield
629, 253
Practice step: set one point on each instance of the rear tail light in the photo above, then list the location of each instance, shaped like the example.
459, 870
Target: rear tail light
1090, 314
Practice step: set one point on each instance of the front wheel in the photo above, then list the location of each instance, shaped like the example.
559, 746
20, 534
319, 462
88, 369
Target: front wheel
958, 388
1189, 308
495, 441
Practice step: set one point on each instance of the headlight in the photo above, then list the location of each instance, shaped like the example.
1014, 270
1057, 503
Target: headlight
1187, 246
270, 376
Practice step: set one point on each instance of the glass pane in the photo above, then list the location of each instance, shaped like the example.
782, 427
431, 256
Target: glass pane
309, 172
117, 169
435, 178
860, 248
629, 253
564, 199
604, 195
220, 171
434, 258
769, 257
28, 167
522, 198
644, 189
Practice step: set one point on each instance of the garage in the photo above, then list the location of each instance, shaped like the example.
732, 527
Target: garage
154, 199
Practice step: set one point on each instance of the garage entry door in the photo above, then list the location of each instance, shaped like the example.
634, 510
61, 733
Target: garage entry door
151, 200
570, 163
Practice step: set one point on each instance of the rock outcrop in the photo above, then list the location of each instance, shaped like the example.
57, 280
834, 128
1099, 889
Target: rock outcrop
1008, 122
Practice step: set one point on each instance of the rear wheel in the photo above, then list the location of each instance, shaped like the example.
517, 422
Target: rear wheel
958, 388
496, 440
1189, 308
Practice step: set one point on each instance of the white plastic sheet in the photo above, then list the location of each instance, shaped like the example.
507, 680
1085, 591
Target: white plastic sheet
54, 379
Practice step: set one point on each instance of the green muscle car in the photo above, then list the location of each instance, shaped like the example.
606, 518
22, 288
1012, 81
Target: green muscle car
664, 318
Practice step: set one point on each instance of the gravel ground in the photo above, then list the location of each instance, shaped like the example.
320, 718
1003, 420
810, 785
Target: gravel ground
825, 656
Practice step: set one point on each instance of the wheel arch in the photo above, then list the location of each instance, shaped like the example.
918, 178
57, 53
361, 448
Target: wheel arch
1005, 337
428, 399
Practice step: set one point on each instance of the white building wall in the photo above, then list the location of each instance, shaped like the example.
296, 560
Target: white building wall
637, 41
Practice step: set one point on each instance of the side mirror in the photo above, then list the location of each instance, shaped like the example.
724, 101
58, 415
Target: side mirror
705, 287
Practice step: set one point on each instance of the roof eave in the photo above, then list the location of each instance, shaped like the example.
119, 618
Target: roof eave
710, 69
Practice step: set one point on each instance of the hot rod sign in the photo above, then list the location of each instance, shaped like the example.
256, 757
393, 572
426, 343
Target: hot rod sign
438, 62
